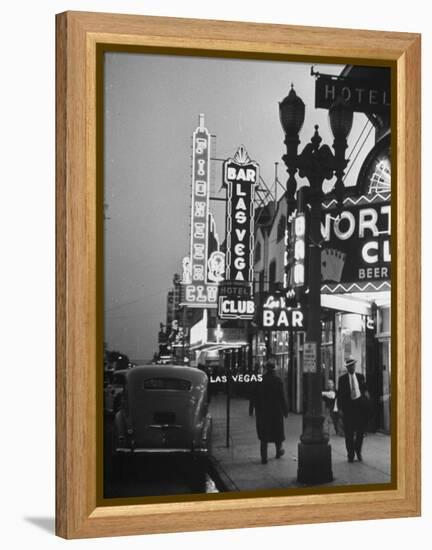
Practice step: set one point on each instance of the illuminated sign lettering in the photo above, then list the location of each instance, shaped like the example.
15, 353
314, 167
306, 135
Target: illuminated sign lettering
356, 244
299, 225
199, 289
240, 176
275, 314
201, 295
295, 253
235, 295
236, 308
363, 96
232, 289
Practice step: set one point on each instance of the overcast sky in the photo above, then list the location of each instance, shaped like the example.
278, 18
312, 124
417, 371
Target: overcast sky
152, 103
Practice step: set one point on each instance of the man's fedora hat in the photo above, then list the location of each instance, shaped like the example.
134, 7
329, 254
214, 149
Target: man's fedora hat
350, 361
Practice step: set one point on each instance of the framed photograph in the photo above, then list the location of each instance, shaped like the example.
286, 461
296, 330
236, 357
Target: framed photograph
238, 275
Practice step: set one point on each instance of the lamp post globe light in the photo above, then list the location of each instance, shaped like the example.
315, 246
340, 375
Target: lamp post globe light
316, 163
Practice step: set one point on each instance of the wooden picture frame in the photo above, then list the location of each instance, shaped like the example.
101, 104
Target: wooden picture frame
78, 295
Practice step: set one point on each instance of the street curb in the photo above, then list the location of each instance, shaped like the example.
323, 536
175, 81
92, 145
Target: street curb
221, 478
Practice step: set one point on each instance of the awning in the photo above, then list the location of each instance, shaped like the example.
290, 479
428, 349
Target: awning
355, 303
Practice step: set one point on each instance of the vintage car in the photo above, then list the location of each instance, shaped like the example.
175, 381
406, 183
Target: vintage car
164, 410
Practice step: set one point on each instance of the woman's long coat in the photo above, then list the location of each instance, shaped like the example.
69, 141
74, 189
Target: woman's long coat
270, 408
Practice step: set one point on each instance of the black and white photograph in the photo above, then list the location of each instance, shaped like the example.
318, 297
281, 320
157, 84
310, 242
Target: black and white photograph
247, 276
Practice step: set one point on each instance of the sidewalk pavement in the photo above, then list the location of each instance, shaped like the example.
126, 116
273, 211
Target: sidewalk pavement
240, 468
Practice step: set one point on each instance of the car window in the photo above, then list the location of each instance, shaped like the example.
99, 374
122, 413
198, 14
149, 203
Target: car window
167, 384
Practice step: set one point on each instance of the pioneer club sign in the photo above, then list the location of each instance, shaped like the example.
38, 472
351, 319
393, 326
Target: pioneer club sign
240, 176
199, 291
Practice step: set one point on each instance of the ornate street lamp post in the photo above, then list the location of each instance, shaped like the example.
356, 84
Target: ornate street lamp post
316, 163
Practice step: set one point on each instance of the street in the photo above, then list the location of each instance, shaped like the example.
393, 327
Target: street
155, 475
238, 467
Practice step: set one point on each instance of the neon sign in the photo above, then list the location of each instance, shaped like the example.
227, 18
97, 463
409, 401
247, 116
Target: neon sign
299, 250
295, 254
198, 291
240, 175
236, 308
235, 296
275, 314
356, 243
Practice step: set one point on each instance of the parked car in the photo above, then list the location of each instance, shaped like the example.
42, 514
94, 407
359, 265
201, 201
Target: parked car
164, 410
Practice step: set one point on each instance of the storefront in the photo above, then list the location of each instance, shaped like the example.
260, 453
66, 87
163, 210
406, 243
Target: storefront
355, 306
356, 296
364, 335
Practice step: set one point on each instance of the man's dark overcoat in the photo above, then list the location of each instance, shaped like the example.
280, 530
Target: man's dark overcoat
270, 408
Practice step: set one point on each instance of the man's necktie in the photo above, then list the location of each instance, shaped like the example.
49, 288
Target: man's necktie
354, 388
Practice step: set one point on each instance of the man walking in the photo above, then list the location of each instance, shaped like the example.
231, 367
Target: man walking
270, 407
352, 398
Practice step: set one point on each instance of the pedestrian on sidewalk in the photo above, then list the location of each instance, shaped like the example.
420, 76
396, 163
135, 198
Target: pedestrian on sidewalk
270, 408
331, 411
352, 401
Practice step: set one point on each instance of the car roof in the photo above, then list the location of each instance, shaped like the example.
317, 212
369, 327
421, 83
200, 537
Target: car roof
144, 372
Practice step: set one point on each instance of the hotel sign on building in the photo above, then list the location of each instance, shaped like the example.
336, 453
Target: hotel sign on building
363, 96
198, 290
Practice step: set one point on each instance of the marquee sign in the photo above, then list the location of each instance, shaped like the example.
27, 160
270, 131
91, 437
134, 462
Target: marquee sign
274, 314
240, 176
200, 280
356, 243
